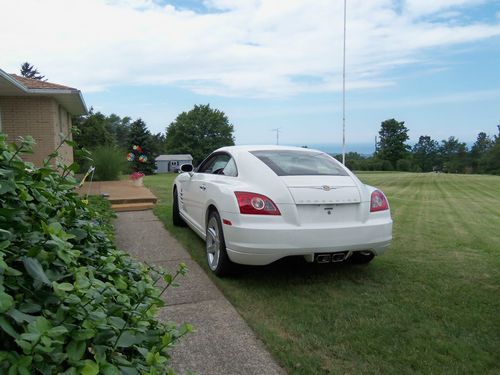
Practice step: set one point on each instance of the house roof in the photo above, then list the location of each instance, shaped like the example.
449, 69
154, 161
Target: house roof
38, 84
174, 157
68, 97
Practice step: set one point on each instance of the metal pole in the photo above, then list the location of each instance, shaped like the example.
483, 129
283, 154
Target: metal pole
277, 130
343, 88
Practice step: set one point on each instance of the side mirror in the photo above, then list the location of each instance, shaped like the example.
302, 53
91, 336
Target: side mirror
186, 168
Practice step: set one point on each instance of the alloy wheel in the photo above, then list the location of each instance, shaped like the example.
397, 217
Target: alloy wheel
213, 243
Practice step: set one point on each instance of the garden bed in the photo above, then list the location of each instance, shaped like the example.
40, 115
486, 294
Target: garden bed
70, 302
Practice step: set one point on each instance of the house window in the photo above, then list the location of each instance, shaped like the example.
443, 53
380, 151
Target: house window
68, 124
60, 120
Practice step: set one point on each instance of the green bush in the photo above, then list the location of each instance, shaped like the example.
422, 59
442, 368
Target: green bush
403, 165
70, 302
109, 162
386, 166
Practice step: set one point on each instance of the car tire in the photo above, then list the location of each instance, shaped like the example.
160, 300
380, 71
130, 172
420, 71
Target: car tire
176, 216
215, 245
362, 257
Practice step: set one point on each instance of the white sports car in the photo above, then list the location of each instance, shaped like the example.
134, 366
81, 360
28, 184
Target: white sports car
256, 204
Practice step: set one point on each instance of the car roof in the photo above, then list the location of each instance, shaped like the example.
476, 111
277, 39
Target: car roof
250, 148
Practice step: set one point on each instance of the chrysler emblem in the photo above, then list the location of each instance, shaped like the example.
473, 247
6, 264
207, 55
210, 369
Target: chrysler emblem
326, 188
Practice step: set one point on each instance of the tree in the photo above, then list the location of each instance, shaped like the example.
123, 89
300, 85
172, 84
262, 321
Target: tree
92, 131
479, 150
454, 155
119, 128
353, 160
141, 146
392, 146
96, 129
199, 132
492, 157
425, 153
159, 143
29, 71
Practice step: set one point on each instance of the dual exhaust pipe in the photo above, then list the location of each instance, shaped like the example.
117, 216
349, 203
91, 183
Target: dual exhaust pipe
332, 257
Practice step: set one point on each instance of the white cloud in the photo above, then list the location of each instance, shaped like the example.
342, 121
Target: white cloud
250, 48
430, 100
426, 7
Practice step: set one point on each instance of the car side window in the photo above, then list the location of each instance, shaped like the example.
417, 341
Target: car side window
230, 169
215, 164
207, 165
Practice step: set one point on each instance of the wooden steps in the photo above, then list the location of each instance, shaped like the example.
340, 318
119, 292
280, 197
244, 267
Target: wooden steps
138, 199
123, 195
120, 207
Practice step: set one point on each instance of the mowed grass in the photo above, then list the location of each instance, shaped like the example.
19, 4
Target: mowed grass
430, 305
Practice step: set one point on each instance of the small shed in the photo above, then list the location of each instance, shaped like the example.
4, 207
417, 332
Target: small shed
172, 163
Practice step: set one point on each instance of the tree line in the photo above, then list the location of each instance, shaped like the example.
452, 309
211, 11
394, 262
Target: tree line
197, 132
428, 155
203, 129
118, 135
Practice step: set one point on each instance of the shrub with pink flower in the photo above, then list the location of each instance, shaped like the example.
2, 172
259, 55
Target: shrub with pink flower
136, 176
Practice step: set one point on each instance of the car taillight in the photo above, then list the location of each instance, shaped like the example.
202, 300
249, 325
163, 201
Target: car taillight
255, 204
378, 202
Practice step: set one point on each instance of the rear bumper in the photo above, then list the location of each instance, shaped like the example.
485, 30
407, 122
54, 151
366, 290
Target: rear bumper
266, 244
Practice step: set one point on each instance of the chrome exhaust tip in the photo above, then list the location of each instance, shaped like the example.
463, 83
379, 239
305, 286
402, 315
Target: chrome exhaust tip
332, 257
323, 258
339, 257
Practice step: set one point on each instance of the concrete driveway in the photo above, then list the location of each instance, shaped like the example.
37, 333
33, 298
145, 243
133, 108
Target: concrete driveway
222, 342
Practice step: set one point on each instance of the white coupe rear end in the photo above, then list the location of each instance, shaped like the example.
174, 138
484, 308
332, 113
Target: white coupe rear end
274, 202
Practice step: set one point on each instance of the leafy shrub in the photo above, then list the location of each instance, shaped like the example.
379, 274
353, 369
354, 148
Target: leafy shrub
403, 165
386, 166
70, 302
109, 163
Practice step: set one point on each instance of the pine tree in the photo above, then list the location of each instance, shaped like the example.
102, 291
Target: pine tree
141, 149
29, 71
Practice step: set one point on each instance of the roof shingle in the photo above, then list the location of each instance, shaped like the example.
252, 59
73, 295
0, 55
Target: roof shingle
37, 84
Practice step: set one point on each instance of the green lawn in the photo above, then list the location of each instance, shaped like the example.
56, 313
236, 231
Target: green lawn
431, 305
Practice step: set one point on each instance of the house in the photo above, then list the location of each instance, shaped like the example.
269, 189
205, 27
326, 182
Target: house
40, 109
171, 163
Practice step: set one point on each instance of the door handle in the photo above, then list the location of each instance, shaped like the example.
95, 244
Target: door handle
203, 187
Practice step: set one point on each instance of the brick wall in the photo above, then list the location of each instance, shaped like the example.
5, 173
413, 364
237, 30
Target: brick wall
63, 125
38, 117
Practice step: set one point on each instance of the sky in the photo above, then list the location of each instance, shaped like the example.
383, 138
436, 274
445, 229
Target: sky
434, 64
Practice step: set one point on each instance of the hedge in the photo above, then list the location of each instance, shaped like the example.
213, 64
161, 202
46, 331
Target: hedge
70, 302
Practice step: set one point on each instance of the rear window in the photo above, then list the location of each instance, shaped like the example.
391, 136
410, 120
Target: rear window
300, 163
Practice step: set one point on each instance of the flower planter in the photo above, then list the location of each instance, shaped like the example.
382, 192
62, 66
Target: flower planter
138, 182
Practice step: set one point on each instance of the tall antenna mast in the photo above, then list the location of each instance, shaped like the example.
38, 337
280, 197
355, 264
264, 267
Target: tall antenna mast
277, 130
343, 88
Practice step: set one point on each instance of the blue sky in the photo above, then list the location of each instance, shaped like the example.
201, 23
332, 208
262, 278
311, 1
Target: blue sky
274, 64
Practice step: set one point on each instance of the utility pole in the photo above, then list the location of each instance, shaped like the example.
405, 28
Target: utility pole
277, 130
343, 87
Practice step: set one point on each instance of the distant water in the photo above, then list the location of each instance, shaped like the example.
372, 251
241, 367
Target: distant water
366, 149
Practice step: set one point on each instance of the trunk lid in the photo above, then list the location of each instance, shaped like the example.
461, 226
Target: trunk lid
322, 189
